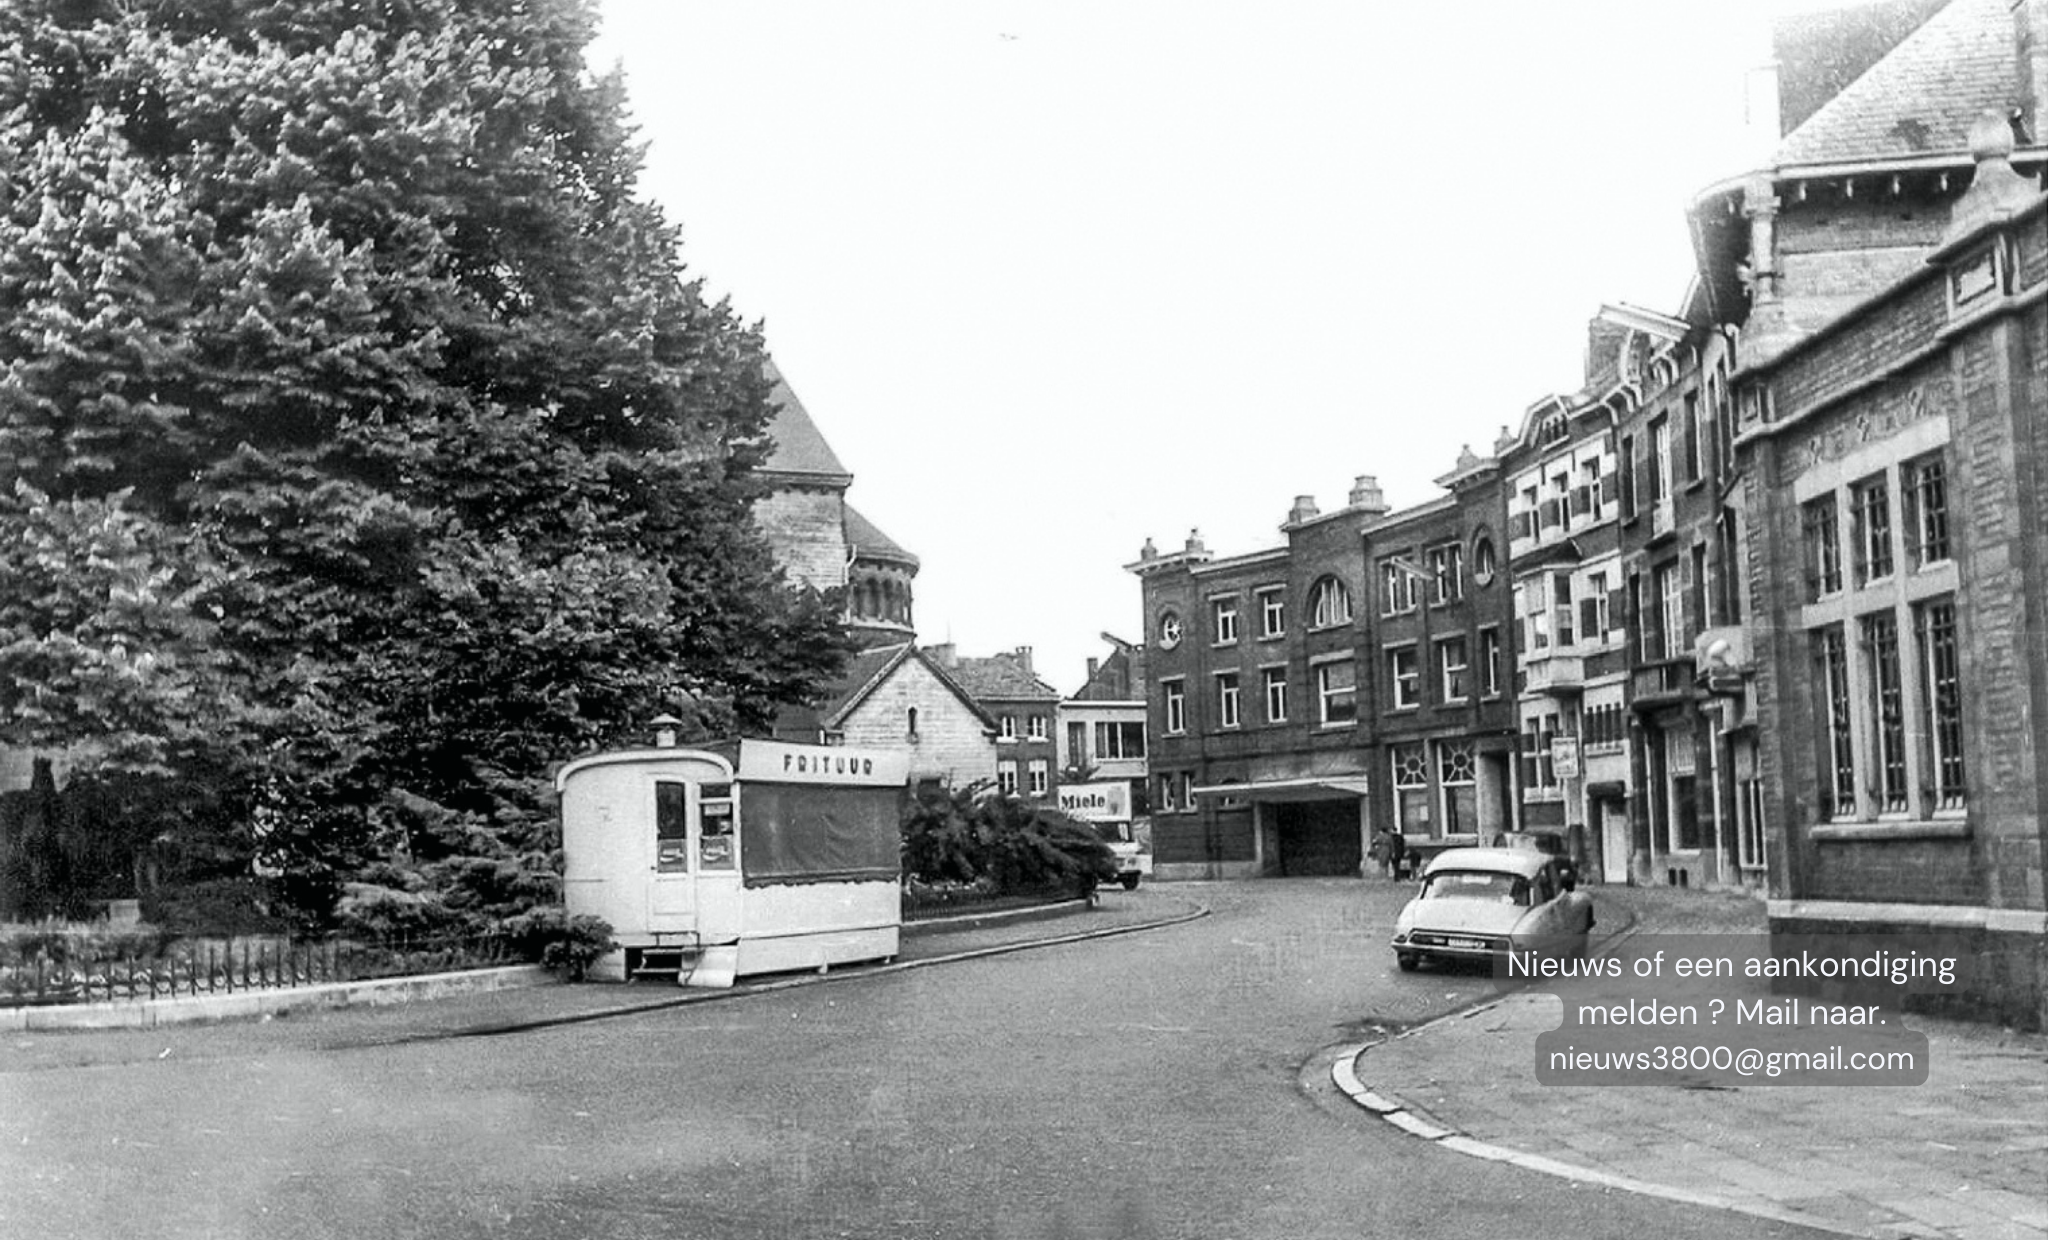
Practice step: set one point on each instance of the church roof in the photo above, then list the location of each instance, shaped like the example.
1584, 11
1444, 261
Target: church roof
865, 539
800, 448
1921, 97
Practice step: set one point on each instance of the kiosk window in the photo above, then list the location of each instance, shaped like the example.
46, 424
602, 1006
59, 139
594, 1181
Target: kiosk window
715, 838
671, 828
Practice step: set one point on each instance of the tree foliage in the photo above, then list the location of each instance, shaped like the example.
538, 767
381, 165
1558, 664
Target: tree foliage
972, 834
368, 446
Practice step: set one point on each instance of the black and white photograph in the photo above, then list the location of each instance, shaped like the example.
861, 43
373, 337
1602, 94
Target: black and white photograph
1023, 619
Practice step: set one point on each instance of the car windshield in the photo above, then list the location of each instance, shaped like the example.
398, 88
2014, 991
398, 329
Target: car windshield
1476, 885
1114, 832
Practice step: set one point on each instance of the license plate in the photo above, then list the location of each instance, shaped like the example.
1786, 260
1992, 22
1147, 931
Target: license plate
1465, 944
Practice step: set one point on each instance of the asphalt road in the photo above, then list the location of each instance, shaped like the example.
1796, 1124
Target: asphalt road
1160, 1084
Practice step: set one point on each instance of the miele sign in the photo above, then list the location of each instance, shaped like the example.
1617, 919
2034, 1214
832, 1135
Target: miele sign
1105, 802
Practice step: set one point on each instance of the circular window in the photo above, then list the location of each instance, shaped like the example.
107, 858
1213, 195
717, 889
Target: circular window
1169, 630
1484, 565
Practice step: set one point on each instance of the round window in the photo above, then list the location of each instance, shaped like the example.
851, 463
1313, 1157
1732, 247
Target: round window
1169, 630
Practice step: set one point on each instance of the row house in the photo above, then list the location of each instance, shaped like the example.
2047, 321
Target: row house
1352, 677
1563, 559
1444, 723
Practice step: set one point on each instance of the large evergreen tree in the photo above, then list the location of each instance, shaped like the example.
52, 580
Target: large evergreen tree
366, 446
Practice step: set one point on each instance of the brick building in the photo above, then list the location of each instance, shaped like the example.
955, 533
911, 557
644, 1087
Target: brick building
1440, 696
1024, 709
1304, 695
1691, 739
1886, 277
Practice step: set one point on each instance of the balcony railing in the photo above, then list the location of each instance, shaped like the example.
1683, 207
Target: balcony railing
1557, 673
1661, 683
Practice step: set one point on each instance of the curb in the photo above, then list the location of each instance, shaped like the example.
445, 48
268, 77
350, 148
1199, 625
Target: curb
1393, 1110
1418, 1123
790, 983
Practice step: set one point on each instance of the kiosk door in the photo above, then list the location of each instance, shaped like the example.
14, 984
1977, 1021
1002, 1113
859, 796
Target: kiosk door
672, 889
719, 897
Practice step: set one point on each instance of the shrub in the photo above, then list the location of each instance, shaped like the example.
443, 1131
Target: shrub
549, 936
971, 835
389, 914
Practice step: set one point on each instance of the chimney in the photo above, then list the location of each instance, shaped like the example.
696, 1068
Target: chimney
1366, 493
1023, 657
1304, 509
1148, 551
944, 654
1195, 546
1094, 666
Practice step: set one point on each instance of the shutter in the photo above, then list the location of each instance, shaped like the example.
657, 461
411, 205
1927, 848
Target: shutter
1617, 607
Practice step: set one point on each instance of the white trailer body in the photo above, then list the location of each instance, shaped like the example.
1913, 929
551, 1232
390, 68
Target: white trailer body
763, 858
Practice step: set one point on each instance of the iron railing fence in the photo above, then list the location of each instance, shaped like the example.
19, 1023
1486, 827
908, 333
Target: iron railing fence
229, 966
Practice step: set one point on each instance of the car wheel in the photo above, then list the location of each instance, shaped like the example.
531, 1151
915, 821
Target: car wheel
1407, 961
1130, 882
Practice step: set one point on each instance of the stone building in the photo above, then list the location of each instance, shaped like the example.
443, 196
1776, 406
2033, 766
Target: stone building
902, 698
1884, 279
819, 539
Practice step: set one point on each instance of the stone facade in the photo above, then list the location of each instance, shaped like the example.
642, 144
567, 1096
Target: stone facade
896, 698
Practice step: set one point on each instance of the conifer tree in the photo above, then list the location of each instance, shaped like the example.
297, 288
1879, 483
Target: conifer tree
366, 445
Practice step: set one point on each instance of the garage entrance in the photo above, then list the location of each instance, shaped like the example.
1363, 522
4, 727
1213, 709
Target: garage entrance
1318, 838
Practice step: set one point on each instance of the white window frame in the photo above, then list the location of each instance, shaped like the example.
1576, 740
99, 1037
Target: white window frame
1445, 668
1272, 612
1395, 678
1223, 621
1329, 601
1006, 777
1174, 700
1228, 691
1273, 687
1039, 777
1326, 693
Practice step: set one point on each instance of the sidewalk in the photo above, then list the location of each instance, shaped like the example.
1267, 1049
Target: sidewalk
484, 1013
1964, 1156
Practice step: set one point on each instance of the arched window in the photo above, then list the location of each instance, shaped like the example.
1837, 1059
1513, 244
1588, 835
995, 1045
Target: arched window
1329, 602
1484, 563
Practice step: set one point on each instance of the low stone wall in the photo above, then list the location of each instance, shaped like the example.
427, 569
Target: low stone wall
248, 1004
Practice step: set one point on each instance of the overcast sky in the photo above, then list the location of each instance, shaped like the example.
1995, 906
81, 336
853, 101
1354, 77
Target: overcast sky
1056, 278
